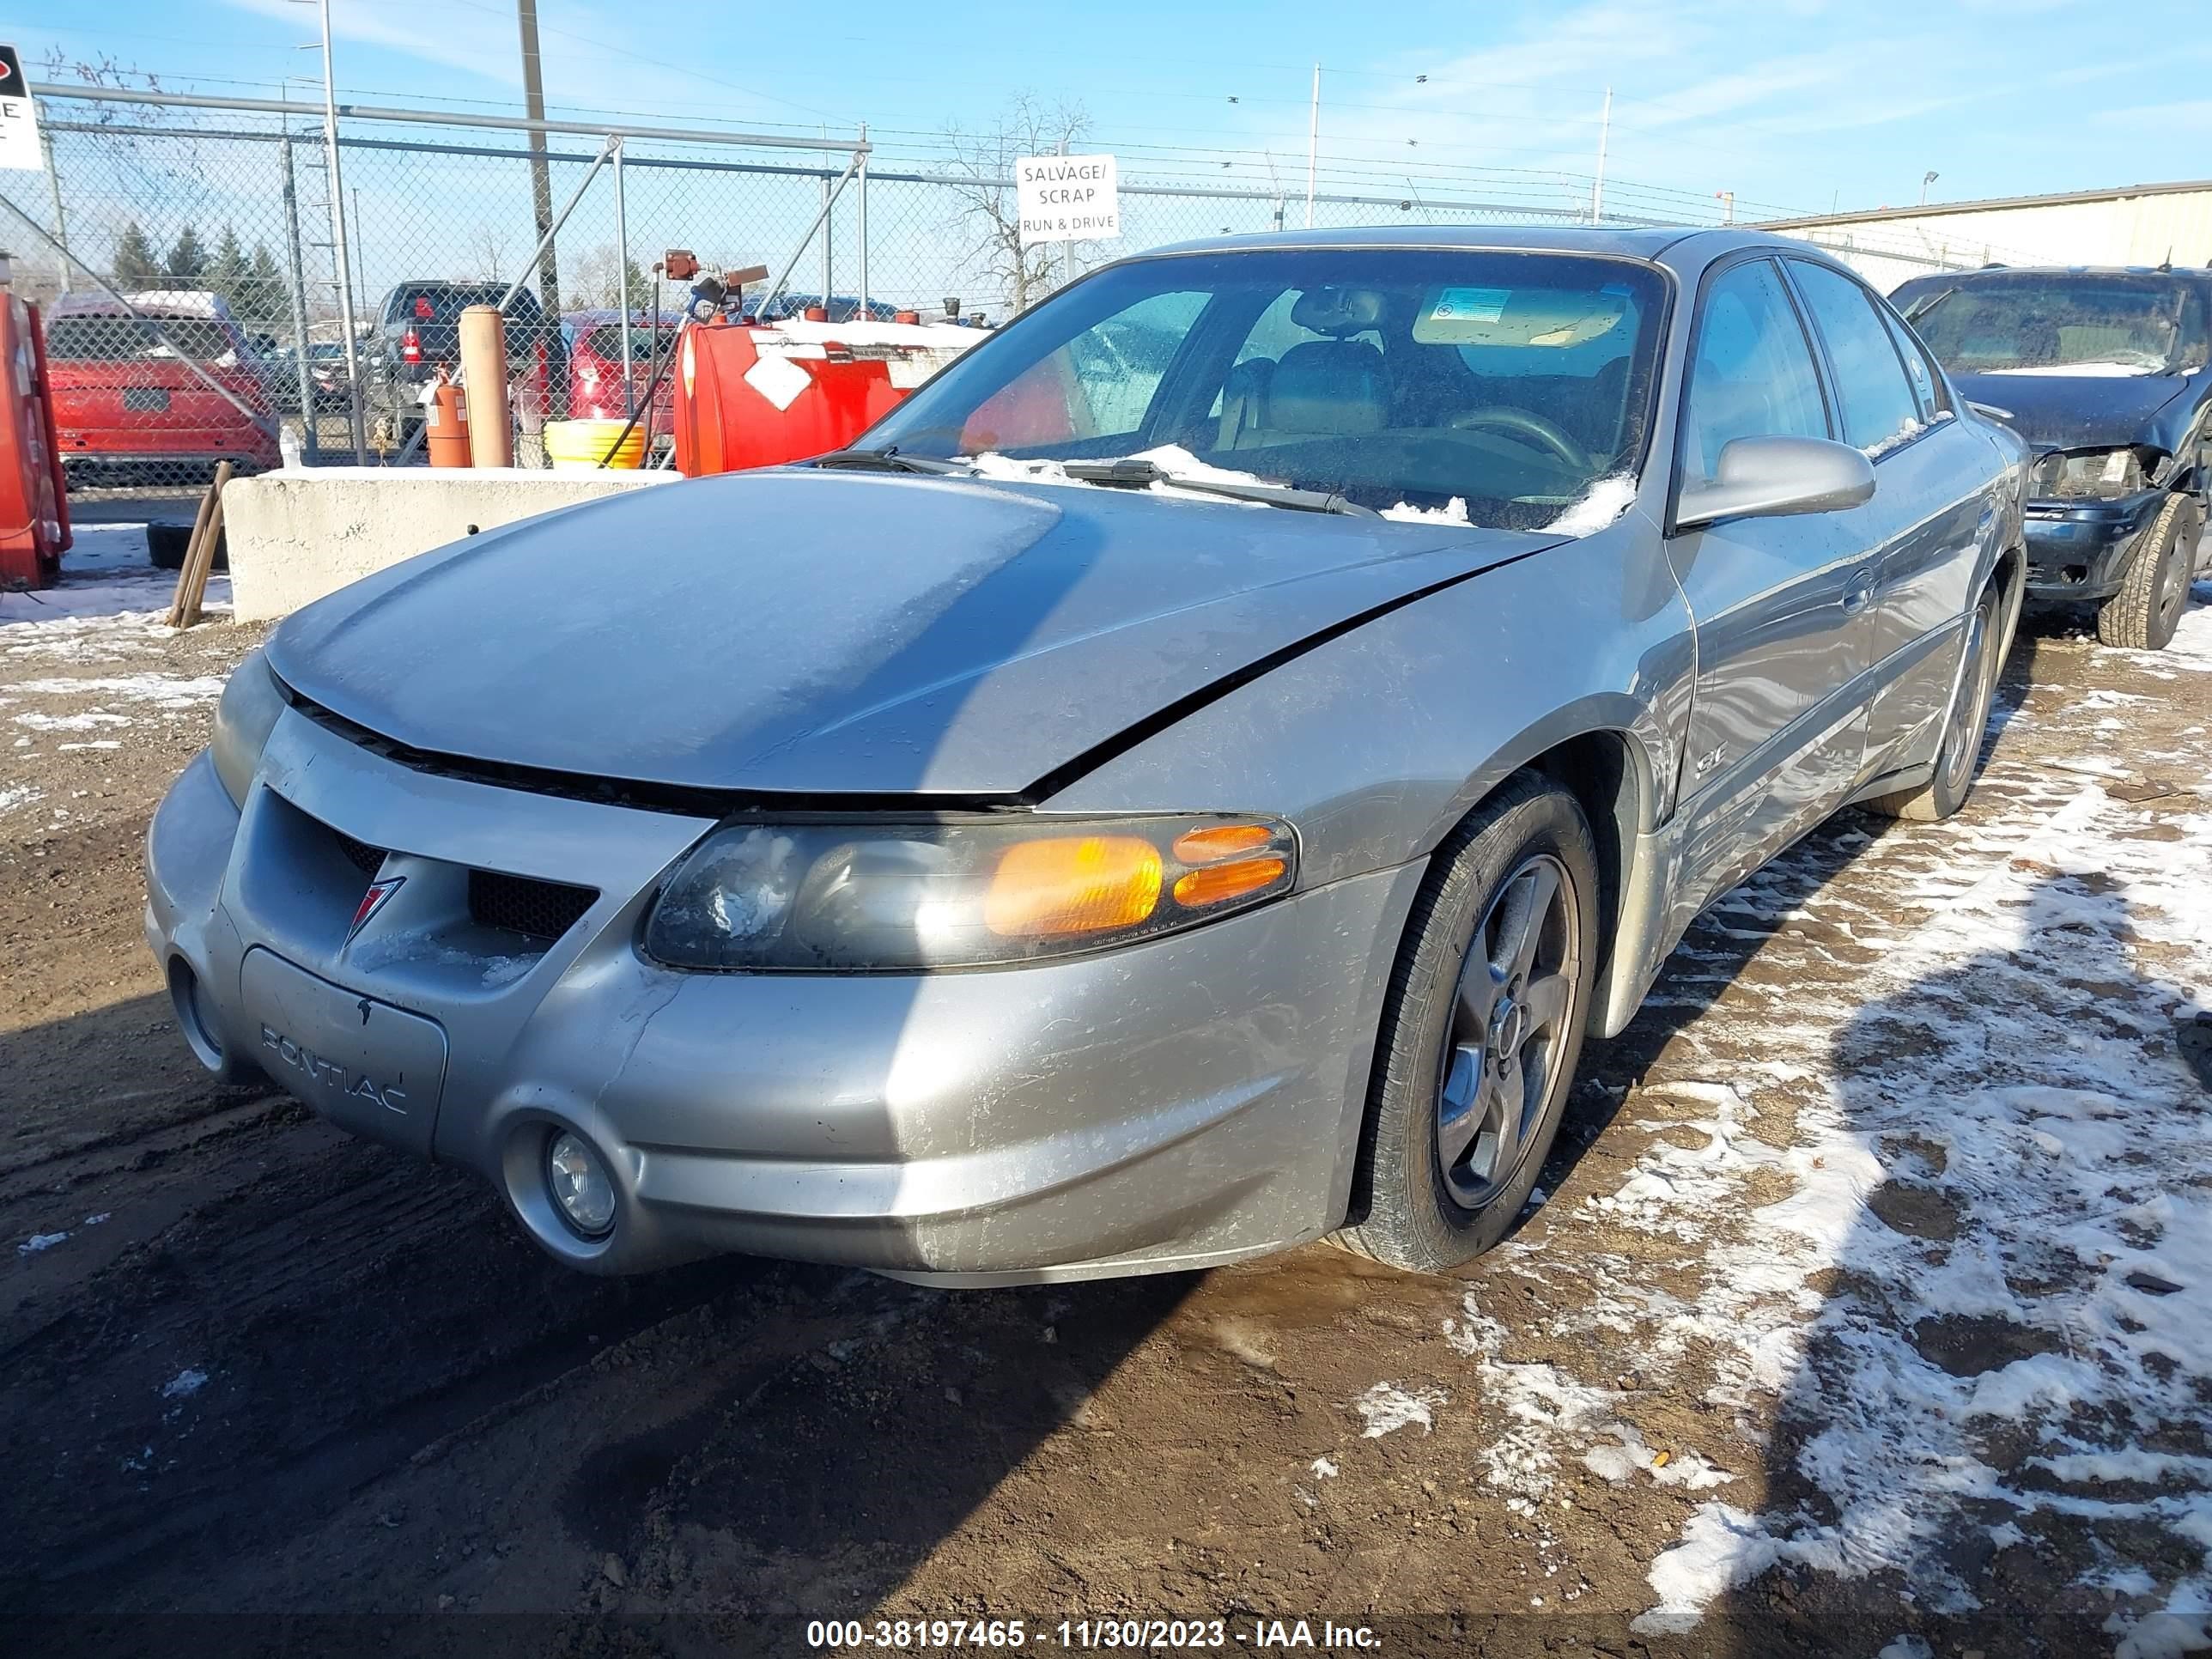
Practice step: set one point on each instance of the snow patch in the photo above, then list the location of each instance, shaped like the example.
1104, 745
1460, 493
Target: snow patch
1605, 500
37, 1242
1389, 1408
1453, 511
184, 1384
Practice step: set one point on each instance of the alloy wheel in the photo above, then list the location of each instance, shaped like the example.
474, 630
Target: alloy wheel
1962, 741
1511, 1009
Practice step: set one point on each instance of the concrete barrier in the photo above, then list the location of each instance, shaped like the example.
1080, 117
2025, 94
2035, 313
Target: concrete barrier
297, 535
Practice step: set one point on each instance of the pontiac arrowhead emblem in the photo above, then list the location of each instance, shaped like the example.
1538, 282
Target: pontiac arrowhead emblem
372, 901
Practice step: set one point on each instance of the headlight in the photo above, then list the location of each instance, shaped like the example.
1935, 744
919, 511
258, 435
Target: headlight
2088, 474
243, 720
864, 896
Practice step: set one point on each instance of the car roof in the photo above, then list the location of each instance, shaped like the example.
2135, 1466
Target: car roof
2188, 273
594, 316
1619, 241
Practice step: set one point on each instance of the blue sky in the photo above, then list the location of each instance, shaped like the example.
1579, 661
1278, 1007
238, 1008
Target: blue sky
1792, 104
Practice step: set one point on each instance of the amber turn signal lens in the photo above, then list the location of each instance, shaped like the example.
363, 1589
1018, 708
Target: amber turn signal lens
1217, 881
1221, 841
1072, 884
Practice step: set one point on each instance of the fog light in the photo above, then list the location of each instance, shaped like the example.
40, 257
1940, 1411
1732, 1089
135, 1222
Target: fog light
581, 1185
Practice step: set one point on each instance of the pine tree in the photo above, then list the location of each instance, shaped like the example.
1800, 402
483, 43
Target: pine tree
136, 265
264, 296
187, 263
227, 274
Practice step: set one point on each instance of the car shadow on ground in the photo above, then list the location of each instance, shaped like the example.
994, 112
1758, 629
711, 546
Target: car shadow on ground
2015, 1146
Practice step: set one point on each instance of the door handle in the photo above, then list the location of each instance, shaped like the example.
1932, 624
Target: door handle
1859, 592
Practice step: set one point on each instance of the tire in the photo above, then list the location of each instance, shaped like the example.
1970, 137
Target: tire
1958, 761
1439, 1083
168, 544
2142, 615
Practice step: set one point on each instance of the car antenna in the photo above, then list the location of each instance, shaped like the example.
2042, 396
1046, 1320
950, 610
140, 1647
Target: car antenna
2169, 263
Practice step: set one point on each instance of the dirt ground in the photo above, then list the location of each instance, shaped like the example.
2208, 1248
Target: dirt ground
1802, 1353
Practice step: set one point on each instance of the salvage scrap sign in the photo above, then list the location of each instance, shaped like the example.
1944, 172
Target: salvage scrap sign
1067, 198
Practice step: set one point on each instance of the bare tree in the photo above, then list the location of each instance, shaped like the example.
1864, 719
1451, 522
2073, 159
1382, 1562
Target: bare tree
489, 251
984, 162
597, 280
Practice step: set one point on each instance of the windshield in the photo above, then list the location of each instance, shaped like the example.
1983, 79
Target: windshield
606, 341
2039, 323
444, 302
1510, 382
117, 339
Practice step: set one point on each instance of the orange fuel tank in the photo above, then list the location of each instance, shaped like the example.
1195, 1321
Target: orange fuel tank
34, 531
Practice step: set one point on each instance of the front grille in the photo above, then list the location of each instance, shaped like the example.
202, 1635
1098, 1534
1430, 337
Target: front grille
364, 857
541, 910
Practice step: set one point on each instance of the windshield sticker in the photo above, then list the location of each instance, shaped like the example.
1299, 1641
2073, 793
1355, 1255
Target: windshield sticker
1469, 305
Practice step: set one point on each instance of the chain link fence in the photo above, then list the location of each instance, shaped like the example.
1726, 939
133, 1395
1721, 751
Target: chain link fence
199, 309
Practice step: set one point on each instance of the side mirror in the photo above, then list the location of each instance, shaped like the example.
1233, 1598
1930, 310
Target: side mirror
1769, 478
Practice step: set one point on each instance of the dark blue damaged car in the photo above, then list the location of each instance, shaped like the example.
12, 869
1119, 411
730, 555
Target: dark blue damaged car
2107, 374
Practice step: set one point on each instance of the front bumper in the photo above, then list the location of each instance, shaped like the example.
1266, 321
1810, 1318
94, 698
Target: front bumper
2080, 549
1181, 1102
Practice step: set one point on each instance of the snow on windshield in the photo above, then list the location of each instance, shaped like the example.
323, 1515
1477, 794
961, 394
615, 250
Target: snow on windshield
1601, 504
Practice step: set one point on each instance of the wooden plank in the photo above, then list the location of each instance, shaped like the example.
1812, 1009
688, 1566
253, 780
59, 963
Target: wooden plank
199, 561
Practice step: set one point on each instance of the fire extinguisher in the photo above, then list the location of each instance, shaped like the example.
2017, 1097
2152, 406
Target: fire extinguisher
446, 433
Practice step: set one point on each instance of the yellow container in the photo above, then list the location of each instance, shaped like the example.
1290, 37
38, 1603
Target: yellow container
580, 446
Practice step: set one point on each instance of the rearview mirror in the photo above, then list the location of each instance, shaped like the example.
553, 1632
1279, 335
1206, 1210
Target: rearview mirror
1769, 478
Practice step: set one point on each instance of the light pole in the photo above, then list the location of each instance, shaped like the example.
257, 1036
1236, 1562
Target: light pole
1926, 179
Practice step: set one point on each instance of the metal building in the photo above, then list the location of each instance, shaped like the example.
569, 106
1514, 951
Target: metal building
2132, 225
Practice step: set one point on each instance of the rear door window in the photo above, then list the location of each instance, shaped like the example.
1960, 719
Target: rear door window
1754, 375
1879, 405
118, 339
1919, 367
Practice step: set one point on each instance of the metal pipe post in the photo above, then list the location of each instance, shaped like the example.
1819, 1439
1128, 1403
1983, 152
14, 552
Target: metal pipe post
338, 246
861, 221
622, 277
61, 223
775, 289
298, 285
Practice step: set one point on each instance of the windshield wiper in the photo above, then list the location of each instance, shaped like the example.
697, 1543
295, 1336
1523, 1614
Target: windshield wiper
888, 460
1134, 472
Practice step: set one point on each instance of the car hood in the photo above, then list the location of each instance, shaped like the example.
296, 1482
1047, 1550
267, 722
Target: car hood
833, 632
2076, 411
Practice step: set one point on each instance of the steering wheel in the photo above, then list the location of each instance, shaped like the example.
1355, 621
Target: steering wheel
1521, 422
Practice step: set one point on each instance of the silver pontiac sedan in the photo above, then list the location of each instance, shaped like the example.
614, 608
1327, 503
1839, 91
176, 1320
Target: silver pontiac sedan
1185, 784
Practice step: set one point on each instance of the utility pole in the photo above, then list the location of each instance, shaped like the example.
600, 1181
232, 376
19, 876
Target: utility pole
1597, 186
541, 201
1313, 144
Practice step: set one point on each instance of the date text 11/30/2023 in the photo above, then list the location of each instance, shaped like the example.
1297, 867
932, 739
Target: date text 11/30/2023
1321, 1635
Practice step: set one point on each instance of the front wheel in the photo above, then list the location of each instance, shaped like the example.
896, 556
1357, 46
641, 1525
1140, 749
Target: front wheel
1481, 1031
2144, 614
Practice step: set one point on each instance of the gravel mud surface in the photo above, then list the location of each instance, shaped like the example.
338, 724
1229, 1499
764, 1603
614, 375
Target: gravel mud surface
1868, 1308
